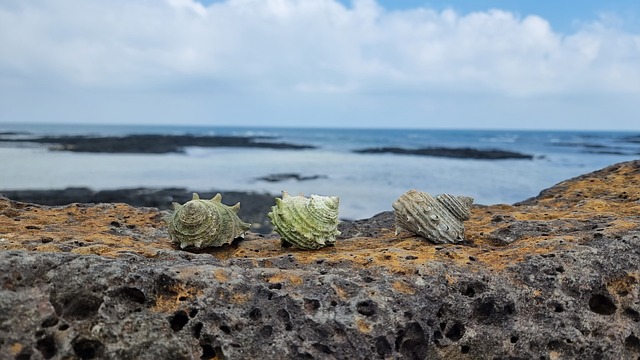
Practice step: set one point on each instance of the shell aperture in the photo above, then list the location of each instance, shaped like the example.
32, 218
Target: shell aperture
306, 223
204, 223
438, 219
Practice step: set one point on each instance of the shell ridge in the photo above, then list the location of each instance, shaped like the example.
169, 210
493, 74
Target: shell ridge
307, 223
202, 223
411, 211
439, 219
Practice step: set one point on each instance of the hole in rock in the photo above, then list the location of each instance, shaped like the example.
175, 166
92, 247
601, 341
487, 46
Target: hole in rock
63, 327
367, 308
78, 306
437, 335
465, 349
193, 313
632, 314
514, 339
602, 305
208, 352
276, 286
178, 320
225, 329
455, 332
88, 348
558, 308
509, 309
133, 294
485, 309
311, 304
197, 330
383, 348
469, 292
255, 314
412, 342
47, 347
632, 343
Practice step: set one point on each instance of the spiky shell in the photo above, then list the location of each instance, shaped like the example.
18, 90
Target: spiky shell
306, 223
438, 219
204, 223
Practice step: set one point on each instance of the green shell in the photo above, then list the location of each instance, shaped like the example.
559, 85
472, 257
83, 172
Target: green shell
306, 223
204, 223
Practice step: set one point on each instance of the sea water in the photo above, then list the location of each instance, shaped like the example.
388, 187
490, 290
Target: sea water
366, 183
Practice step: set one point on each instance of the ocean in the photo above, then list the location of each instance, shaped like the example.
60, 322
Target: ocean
366, 183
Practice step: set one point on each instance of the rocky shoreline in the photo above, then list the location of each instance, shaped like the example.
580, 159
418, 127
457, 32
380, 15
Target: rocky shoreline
161, 144
552, 277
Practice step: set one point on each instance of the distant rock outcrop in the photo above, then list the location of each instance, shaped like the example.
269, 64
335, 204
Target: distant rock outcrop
151, 143
460, 153
553, 277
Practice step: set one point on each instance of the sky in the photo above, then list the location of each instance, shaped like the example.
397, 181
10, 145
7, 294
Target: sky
507, 64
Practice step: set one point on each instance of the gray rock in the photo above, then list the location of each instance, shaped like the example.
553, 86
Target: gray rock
548, 292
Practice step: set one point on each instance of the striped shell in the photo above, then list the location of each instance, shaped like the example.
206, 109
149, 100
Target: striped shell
306, 223
204, 223
438, 219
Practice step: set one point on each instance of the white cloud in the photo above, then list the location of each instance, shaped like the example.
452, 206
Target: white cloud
306, 47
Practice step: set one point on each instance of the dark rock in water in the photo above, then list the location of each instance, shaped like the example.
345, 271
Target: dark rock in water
553, 277
460, 153
290, 176
152, 144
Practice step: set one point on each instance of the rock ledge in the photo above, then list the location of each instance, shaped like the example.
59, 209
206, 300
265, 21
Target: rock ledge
553, 277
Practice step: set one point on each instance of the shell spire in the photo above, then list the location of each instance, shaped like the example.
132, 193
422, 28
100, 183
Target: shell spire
306, 223
204, 223
438, 219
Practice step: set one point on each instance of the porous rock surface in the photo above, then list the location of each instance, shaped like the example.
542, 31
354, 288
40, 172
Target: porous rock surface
553, 277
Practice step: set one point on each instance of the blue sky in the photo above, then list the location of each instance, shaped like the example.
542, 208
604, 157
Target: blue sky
413, 64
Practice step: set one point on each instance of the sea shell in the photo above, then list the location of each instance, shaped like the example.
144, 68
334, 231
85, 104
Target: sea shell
203, 223
306, 223
438, 219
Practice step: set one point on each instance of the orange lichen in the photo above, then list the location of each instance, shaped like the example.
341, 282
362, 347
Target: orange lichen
221, 275
70, 228
174, 298
363, 326
285, 276
403, 287
15, 348
624, 285
240, 298
342, 294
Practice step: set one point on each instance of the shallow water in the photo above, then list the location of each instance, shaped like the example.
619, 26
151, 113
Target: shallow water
366, 183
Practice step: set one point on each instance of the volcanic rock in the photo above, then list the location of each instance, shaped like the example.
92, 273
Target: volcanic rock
553, 277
